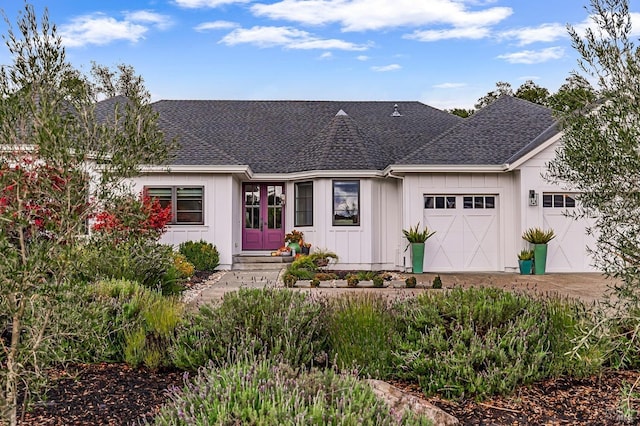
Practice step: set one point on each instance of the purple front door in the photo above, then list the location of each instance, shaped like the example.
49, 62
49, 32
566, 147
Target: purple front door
263, 227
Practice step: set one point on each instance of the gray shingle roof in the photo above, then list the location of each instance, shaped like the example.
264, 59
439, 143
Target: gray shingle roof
292, 136
491, 136
286, 136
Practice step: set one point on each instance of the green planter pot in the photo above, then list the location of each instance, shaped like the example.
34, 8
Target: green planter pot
295, 246
525, 266
417, 257
540, 258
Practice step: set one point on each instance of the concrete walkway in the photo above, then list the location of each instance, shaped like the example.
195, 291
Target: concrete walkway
589, 287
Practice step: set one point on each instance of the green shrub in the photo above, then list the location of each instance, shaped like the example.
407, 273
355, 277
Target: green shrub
269, 394
143, 322
273, 322
203, 255
360, 330
487, 341
378, 281
138, 259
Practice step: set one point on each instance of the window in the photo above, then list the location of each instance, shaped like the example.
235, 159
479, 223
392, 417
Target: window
303, 204
346, 202
479, 202
551, 200
186, 203
440, 202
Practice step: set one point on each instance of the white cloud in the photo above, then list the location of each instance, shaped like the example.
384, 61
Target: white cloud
144, 16
363, 58
362, 15
386, 68
215, 25
473, 33
197, 4
100, 29
529, 77
286, 37
544, 33
533, 56
326, 55
450, 85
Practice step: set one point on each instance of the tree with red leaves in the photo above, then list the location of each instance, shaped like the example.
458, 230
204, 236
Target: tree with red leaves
142, 216
60, 158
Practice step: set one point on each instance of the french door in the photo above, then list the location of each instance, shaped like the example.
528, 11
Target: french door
263, 224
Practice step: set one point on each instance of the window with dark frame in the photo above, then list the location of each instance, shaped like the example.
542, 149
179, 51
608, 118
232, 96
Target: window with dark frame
440, 202
186, 203
303, 204
346, 202
558, 200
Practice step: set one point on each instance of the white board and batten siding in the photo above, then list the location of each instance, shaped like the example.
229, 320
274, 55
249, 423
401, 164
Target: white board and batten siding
568, 251
218, 211
370, 245
470, 213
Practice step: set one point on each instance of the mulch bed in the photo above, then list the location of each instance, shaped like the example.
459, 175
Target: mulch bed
115, 394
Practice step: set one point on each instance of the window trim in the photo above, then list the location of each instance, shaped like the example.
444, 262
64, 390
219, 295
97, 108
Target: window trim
333, 199
295, 205
174, 201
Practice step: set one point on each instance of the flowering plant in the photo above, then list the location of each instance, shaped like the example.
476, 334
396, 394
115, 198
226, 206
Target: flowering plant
293, 237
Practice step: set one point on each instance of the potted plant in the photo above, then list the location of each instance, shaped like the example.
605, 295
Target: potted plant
293, 240
539, 238
352, 280
416, 239
377, 281
525, 261
306, 248
411, 282
437, 282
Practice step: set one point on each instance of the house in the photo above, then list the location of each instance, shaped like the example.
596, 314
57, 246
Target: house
352, 175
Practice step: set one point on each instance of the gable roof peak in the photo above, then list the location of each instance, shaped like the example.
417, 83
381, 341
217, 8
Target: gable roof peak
341, 113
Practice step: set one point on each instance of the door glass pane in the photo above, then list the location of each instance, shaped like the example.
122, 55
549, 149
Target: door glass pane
467, 202
252, 206
490, 202
275, 218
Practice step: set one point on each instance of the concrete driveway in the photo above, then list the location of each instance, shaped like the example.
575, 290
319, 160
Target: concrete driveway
589, 287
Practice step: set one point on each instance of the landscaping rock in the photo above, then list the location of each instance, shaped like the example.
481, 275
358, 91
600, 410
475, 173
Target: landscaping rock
399, 401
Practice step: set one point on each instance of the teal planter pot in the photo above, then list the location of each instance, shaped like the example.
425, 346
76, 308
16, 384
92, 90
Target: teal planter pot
540, 258
525, 266
417, 257
295, 246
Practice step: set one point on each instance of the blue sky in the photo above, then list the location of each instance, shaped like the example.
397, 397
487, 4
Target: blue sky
445, 53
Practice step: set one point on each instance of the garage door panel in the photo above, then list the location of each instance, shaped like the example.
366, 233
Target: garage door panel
568, 251
438, 256
466, 239
480, 242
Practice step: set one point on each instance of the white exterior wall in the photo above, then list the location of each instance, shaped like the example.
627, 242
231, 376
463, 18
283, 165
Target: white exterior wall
504, 185
219, 192
568, 251
371, 244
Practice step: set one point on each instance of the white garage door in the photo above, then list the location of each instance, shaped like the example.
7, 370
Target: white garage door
568, 251
466, 237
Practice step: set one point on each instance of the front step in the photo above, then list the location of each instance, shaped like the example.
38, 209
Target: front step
260, 263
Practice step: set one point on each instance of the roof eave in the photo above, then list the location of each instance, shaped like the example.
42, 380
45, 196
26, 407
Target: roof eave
243, 170
399, 169
537, 150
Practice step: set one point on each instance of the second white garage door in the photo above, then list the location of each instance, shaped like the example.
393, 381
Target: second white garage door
467, 232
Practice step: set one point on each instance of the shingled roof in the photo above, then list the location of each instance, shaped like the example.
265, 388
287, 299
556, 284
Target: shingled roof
497, 134
289, 136
294, 136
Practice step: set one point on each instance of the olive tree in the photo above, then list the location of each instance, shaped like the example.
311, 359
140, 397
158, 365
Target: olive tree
62, 155
600, 152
